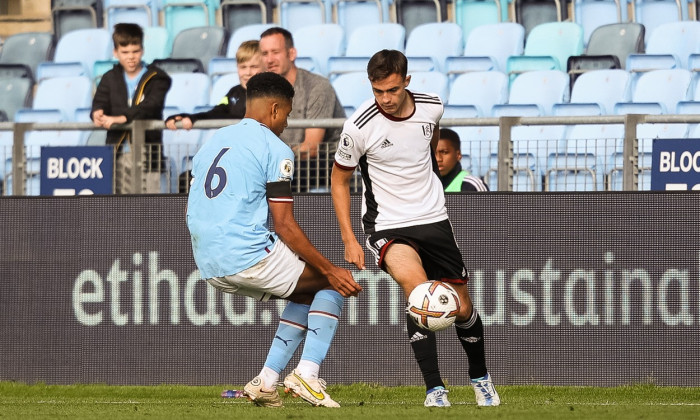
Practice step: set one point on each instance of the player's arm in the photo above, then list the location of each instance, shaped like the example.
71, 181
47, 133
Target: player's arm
340, 192
282, 212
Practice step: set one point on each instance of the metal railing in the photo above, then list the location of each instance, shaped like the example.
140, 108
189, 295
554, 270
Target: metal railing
501, 173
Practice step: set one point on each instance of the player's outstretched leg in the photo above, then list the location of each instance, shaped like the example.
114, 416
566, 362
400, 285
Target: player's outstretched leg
262, 390
424, 346
471, 336
323, 322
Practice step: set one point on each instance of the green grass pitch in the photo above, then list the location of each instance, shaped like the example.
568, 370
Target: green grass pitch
105, 402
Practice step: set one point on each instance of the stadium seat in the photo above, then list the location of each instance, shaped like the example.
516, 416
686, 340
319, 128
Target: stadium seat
434, 82
574, 172
221, 86
532, 13
355, 14
219, 66
471, 14
294, 14
70, 15
543, 88
604, 88
436, 42
202, 43
28, 48
141, 12
183, 14
16, 87
615, 174
665, 87
245, 33
652, 13
414, 13
187, 91
319, 42
65, 94
488, 48
236, 14
178, 147
364, 43
479, 89
676, 39
77, 52
352, 89
156, 43
592, 14
549, 42
618, 39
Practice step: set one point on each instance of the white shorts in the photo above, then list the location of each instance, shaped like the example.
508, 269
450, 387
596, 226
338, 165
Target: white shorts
275, 275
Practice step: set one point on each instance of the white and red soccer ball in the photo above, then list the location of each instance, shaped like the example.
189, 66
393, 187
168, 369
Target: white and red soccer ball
433, 305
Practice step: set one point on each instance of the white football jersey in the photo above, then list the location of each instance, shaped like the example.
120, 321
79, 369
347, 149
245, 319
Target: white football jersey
400, 187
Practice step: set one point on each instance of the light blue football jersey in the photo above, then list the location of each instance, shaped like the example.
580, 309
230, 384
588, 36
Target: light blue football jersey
227, 208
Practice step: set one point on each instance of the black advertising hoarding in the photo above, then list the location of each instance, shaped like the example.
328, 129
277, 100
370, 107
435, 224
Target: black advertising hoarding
580, 289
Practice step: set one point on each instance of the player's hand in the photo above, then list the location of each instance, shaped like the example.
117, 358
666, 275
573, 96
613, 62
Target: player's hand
354, 254
343, 282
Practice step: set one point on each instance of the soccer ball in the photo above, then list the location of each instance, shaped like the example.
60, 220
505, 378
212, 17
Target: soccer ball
433, 305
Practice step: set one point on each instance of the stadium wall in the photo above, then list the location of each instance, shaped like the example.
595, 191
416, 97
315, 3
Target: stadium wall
573, 288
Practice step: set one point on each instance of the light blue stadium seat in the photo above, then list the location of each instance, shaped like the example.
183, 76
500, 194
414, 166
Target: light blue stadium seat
221, 86
653, 13
141, 12
433, 82
100, 68
470, 14
218, 66
574, 172
460, 111
65, 94
76, 53
436, 42
482, 90
294, 14
245, 33
547, 43
90, 138
496, 41
615, 174
156, 44
591, 14
319, 43
352, 89
647, 132
178, 147
600, 140
602, 87
363, 44
527, 173
355, 14
543, 88
676, 39
666, 87
187, 91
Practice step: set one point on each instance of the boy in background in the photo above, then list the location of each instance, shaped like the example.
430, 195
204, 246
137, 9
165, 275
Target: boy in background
132, 91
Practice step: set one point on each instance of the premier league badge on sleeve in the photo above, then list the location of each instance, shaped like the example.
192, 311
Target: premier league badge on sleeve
346, 142
286, 169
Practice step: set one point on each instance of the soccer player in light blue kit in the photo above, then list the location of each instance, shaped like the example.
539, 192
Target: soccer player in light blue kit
240, 175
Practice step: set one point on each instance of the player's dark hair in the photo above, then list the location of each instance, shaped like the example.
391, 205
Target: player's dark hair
385, 63
288, 40
452, 137
268, 84
127, 34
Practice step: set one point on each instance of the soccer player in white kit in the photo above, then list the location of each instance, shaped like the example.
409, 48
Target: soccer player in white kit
239, 177
392, 138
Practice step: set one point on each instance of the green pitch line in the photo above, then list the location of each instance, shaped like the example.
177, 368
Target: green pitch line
106, 402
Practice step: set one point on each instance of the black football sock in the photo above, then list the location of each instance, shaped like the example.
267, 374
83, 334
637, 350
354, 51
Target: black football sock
471, 336
424, 348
